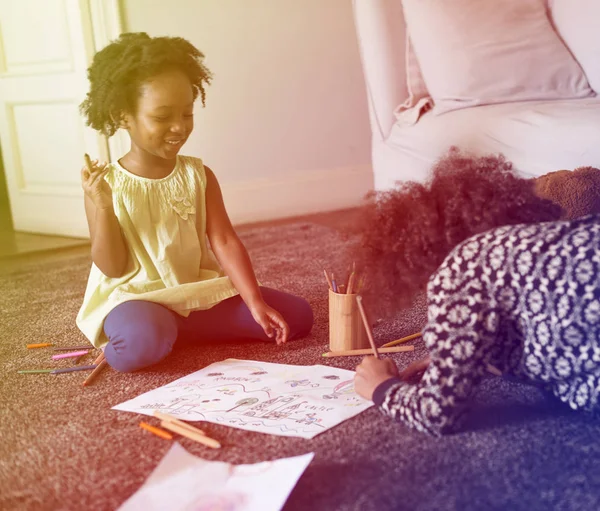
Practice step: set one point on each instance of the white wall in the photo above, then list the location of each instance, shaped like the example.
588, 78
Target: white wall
286, 125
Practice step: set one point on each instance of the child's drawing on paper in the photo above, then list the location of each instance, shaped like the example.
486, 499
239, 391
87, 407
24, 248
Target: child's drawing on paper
184, 482
271, 398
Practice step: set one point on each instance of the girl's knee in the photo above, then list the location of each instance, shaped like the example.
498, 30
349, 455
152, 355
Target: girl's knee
299, 316
139, 336
136, 352
305, 317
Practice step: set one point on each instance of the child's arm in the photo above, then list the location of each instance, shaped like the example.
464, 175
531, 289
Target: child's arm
109, 252
460, 334
235, 261
437, 402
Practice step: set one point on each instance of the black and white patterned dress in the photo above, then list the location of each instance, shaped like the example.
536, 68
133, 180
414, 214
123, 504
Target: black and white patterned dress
525, 299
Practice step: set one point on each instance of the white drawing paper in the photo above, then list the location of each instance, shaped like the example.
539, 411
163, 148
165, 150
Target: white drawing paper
279, 399
184, 482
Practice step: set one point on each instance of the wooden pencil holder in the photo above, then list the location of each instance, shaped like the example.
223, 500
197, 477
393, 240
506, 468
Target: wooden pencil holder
346, 328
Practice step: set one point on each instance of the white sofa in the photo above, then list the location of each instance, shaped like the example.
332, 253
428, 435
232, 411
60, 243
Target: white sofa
537, 136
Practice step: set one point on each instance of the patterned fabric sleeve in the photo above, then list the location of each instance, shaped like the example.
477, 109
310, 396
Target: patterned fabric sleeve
461, 328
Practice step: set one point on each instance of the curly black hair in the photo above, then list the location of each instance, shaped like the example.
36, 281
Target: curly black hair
407, 232
119, 69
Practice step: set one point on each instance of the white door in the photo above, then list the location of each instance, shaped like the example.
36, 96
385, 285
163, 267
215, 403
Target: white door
45, 49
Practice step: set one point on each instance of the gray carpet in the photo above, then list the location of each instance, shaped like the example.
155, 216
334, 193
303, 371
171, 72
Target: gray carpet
64, 449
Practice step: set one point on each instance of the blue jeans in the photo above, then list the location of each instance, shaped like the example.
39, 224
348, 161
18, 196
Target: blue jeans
142, 333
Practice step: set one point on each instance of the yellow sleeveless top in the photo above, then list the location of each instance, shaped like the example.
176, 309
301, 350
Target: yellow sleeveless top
169, 262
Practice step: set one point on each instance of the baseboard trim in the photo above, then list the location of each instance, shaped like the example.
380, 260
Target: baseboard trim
296, 195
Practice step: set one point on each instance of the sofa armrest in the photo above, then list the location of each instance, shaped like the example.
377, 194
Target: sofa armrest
381, 39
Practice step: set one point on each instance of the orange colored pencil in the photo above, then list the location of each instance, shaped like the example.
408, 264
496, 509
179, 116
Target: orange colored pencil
157, 431
40, 345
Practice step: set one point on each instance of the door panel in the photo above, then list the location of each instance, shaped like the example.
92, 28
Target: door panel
46, 47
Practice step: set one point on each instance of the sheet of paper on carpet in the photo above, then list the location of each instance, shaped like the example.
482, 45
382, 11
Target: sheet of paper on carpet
279, 399
182, 481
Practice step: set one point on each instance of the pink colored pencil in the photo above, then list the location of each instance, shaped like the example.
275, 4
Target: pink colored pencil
70, 355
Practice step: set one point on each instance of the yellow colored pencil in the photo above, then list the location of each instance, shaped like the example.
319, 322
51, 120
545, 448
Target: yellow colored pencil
157, 431
366, 351
404, 339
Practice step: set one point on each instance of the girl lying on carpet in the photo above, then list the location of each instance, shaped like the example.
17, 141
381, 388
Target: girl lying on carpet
153, 279
524, 297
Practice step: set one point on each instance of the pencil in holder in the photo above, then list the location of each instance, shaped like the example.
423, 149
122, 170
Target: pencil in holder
346, 328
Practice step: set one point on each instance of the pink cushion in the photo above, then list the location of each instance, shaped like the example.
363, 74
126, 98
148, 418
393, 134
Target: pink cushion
577, 22
477, 52
418, 100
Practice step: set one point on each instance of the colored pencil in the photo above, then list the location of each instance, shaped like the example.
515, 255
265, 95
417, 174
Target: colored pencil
35, 371
350, 281
70, 355
100, 358
73, 348
180, 430
175, 420
328, 279
334, 283
40, 345
361, 283
88, 161
342, 289
350, 287
96, 371
404, 339
367, 326
73, 369
157, 431
366, 351
494, 370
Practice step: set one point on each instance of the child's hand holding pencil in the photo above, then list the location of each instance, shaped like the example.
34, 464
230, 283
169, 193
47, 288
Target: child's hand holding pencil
94, 184
371, 373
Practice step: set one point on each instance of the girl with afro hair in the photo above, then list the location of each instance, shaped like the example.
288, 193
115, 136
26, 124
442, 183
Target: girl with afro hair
152, 214
508, 284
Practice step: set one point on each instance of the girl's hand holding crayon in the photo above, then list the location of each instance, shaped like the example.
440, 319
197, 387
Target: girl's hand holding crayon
95, 186
271, 321
371, 373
